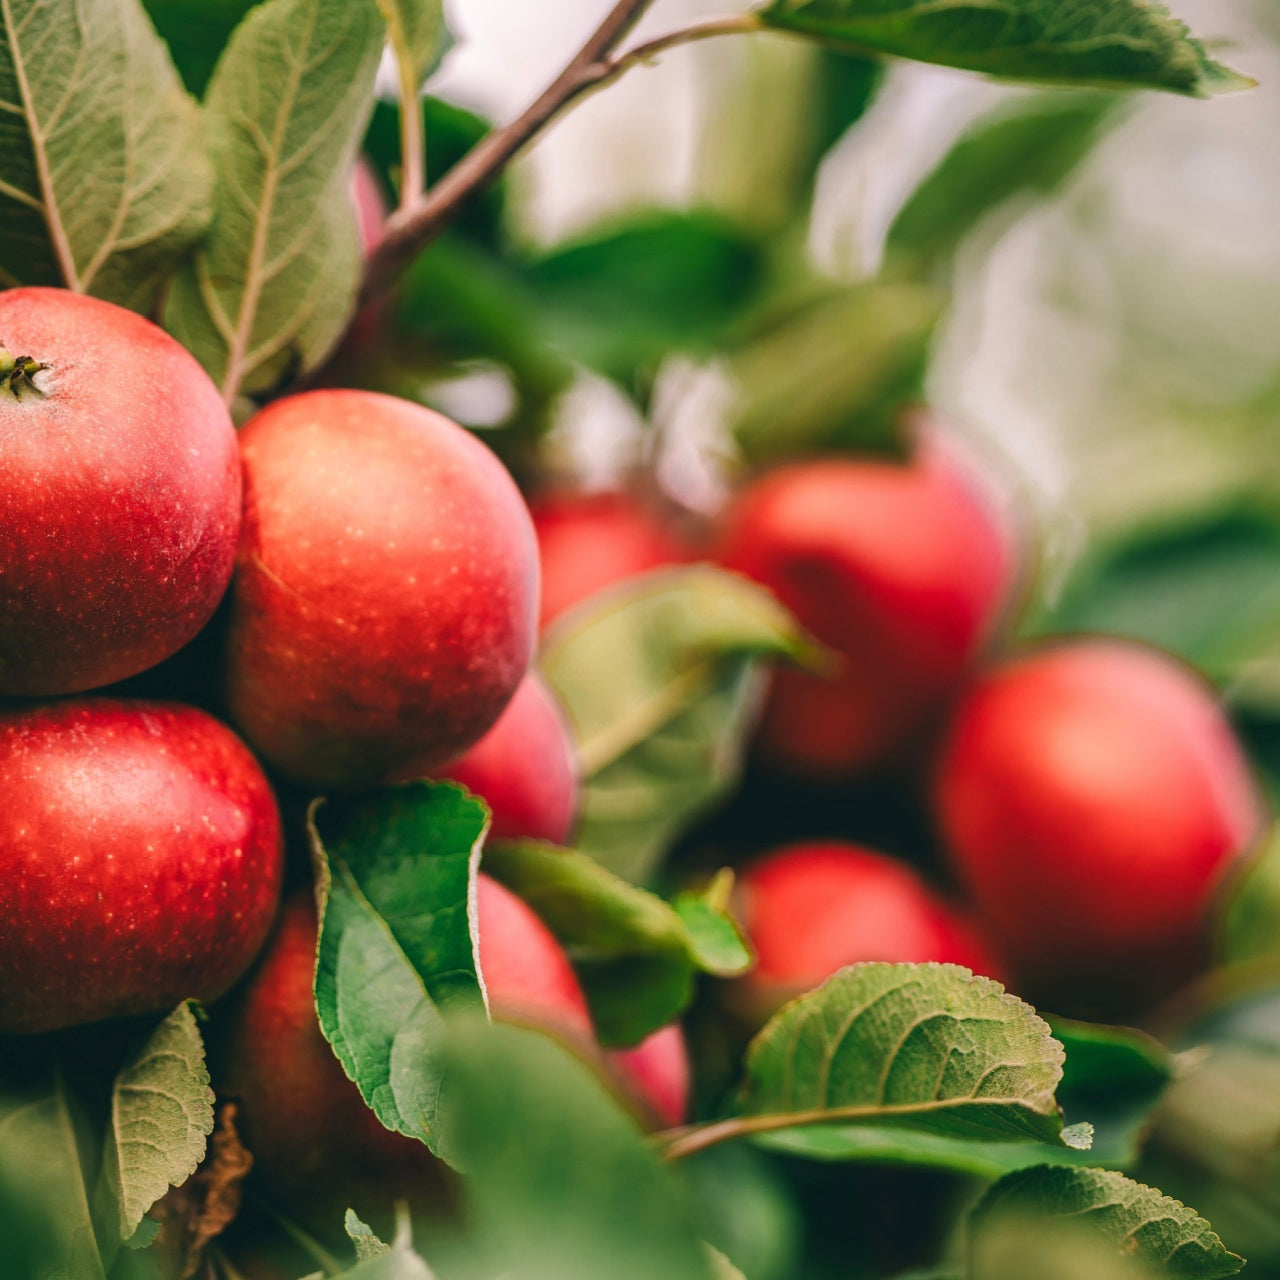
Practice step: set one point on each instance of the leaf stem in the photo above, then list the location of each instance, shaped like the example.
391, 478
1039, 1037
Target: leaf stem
419, 221
412, 150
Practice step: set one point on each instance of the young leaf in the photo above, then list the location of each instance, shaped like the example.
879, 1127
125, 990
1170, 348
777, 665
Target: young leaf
717, 937
397, 890
560, 1185
161, 1118
660, 682
926, 1046
633, 952
1125, 43
105, 184
274, 284
376, 1260
1142, 1224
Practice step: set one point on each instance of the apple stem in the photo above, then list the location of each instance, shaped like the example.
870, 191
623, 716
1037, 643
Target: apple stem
17, 373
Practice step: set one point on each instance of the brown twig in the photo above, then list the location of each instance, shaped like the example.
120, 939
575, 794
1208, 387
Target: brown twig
411, 228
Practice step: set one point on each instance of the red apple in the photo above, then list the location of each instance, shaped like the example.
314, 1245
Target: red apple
900, 569
588, 542
383, 610
655, 1073
524, 768
140, 861
1093, 797
121, 493
312, 1137
811, 909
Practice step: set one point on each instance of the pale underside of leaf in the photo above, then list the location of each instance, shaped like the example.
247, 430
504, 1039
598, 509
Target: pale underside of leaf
916, 1044
273, 286
106, 182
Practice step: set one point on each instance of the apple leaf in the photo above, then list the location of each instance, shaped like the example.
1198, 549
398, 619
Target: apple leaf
381, 1261
274, 285
1142, 1224
41, 1170
660, 680
1125, 43
396, 883
718, 940
560, 1183
635, 955
922, 1046
106, 184
418, 36
161, 1118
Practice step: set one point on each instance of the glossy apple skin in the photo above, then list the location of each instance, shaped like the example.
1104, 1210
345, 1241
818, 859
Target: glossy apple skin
524, 769
810, 909
312, 1136
1092, 797
384, 606
121, 494
902, 570
140, 861
588, 542
656, 1074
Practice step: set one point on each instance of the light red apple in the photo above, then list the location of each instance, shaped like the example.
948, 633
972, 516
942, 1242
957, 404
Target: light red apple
590, 541
901, 569
120, 485
1093, 799
140, 861
656, 1075
384, 606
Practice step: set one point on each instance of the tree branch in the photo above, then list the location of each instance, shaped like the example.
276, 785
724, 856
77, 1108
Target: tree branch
415, 225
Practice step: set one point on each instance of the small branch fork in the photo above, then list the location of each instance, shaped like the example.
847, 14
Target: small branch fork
420, 220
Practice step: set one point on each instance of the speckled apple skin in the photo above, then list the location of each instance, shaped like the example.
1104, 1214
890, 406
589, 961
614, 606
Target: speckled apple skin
140, 861
385, 600
121, 496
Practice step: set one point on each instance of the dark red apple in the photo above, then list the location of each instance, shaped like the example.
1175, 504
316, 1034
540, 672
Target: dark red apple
588, 542
140, 861
120, 484
1093, 798
900, 569
656, 1075
524, 768
811, 909
384, 606
312, 1137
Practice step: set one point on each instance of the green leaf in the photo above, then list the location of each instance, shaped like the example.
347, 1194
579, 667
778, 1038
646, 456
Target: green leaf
417, 32
42, 1177
718, 940
633, 952
396, 874
1032, 147
924, 1046
660, 680
274, 285
377, 1260
560, 1184
1249, 927
106, 184
1136, 1220
834, 372
622, 299
1124, 43
721, 1267
161, 1118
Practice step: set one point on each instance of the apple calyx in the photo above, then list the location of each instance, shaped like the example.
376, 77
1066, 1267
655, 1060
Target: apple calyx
17, 373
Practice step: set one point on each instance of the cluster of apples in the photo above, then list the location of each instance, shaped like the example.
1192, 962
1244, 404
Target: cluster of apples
1089, 796
379, 574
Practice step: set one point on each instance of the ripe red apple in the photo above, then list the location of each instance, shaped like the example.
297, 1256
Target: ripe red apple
383, 610
524, 769
810, 909
1093, 797
656, 1075
590, 541
900, 569
120, 483
312, 1137
140, 861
